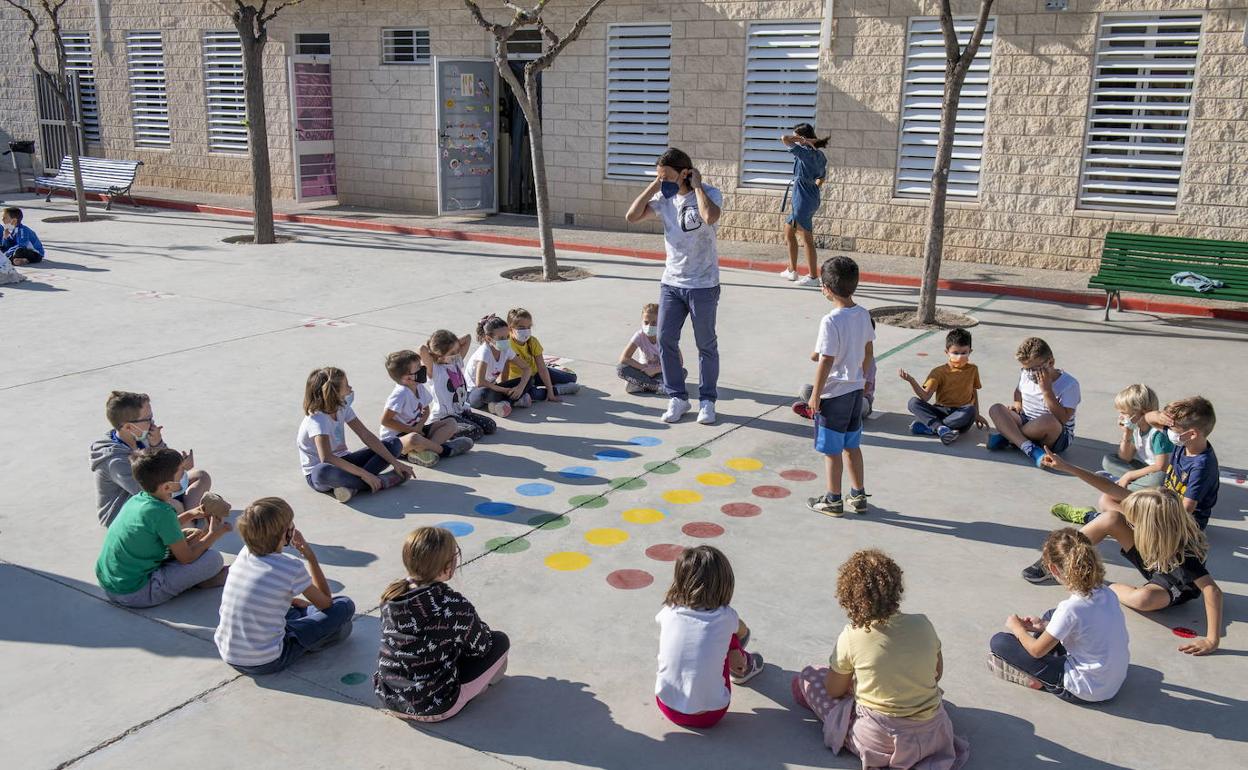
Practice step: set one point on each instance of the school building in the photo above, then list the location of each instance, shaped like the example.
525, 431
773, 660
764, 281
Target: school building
1079, 116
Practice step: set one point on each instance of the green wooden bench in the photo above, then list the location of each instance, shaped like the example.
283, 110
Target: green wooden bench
1144, 263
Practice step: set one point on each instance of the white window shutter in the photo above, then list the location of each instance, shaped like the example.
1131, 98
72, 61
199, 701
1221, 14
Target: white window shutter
405, 46
922, 95
149, 99
1140, 111
639, 71
781, 88
79, 60
525, 45
225, 99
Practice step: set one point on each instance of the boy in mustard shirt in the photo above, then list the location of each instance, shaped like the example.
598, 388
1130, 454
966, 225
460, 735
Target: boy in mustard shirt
955, 385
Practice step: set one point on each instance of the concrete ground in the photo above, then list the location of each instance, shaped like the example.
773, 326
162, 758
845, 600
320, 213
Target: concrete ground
223, 336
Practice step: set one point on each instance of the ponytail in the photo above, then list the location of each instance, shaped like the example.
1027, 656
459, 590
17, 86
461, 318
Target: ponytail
396, 589
428, 552
807, 131
1074, 556
487, 326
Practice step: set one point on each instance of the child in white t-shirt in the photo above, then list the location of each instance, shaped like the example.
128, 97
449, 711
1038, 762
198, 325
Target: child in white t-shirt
488, 367
701, 641
406, 417
1043, 413
443, 355
327, 463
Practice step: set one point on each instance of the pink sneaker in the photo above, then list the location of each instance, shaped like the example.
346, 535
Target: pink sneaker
802, 409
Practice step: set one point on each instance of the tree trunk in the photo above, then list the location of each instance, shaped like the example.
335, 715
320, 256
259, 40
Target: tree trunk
257, 125
68, 104
934, 244
546, 234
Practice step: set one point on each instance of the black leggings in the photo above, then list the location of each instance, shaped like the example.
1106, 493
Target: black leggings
472, 668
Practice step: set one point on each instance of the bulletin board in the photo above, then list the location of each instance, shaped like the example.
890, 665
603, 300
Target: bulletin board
467, 125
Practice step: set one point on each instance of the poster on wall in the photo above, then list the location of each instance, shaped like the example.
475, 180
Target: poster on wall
467, 125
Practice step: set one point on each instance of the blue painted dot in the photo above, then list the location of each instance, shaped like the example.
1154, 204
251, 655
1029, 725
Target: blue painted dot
457, 528
578, 472
494, 509
535, 489
613, 455
645, 441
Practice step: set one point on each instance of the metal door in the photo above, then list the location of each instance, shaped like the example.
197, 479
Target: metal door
312, 114
467, 98
53, 126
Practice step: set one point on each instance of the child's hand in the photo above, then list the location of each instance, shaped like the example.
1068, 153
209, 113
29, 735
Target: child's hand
515, 393
903, 374
1199, 646
218, 527
372, 481
981, 422
188, 460
552, 396
1034, 624
155, 436
1053, 461
1045, 378
404, 470
298, 542
653, 371
1017, 407
1014, 624
815, 356
813, 403
1158, 417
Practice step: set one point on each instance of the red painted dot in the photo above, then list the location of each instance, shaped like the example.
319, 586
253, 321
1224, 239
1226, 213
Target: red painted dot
702, 529
921, 355
741, 510
629, 579
797, 474
665, 552
770, 492
1186, 633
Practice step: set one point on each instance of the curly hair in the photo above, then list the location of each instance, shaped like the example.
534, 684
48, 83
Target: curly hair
869, 587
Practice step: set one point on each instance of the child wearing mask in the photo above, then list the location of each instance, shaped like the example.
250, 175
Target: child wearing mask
406, 417
955, 385
548, 382
489, 363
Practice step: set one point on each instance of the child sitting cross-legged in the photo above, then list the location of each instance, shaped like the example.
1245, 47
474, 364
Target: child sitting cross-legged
1043, 413
443, 355
489, 363
881, 698
639, 365
1144, 449
406, 417
955, 385
19, 243
264, 628
548, 383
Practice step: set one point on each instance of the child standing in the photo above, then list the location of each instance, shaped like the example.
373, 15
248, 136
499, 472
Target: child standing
701, 641
1144, 449
956, 387
327, 464
406, 417
488, 364
436, 652
263, 627
1043, 413
1079, 650
444, 356
555, 382
881, 699
810, 166
845, 349
19, 243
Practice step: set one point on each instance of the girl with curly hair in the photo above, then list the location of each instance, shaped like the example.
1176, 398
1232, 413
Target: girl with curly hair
880, 697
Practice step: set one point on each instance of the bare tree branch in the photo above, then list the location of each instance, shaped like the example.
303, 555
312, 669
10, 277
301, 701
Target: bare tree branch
952, 50
545, 60
981, 23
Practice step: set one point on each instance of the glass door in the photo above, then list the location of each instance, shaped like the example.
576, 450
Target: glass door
312, 112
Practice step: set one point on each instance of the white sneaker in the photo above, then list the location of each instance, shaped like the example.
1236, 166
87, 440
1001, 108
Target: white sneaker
809, 280
676, 409
788, 275
706, 414
500, 408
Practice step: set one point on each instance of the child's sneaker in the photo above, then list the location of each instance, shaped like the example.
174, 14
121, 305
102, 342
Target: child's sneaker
788, 275
1002, 670
920, 429
631, 388
457, 446
997, 442
567, 389
390, 479
1072, 514
828, 507
947, 435
425, 458
1036, 574
802, 409
858, 502
500, 409
754, 667
343, 494
525, 401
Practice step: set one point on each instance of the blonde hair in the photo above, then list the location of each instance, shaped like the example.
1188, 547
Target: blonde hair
649, 308
1074, 556
702, 580
1136, 399
1165, 533
262, 526
320, 394
516, 313
428, 552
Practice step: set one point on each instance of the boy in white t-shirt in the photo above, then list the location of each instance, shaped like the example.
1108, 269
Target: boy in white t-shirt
1043, 413
406, 416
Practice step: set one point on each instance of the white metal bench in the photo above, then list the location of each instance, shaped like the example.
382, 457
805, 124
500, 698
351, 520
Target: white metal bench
112, 178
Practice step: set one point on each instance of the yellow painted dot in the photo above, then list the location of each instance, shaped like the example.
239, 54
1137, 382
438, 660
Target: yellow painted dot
567, 561
606, 536
744, 464
642, 516
682, 496
716, 479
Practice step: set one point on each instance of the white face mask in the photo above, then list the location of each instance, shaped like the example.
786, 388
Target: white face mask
649, 330
1173, 435
522, 335
500, 345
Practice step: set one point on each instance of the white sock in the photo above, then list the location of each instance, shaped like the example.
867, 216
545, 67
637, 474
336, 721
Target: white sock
1027, 447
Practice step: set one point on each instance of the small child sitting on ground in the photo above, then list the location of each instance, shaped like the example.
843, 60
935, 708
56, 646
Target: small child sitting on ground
701, 641
264, 628
406, 417
1079, 650
1144, 449
487, 366
19, 244
1043, 413
955, 385
639, 364
147, 557
444, 356
436, 652
327, 464
881, 698
548, 383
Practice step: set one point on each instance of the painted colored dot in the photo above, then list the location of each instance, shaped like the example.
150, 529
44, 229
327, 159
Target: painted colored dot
507, 544
682, 496
495, 509
355, 677
568, 561
694, 452
457, 528
548, 521
588, 501
797, 474
665, 551
741, 510
627, 483
662, 468
921, 355
702, 529
744, 464
613, 455
642, 516
535, 489
629, 579
1186, 633
607, 536
770, 492
578, 472
716, 479
645, 440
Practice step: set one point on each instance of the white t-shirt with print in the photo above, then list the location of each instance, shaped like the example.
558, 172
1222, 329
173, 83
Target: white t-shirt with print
321, 424
844, 334
1094, 633
1065, 388
450, 389
692, 647
406, 406
494, 367
692, 255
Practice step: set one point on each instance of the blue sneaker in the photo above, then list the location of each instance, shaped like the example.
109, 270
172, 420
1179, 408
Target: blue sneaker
1037, 456
997, 442
919, 429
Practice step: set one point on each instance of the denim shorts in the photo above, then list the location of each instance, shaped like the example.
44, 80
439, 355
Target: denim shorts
1063, 441
838, 426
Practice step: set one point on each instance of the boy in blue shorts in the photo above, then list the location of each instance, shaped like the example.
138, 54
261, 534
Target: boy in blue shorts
845, 351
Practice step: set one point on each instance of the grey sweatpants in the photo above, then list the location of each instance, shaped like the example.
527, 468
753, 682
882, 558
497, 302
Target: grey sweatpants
170, 579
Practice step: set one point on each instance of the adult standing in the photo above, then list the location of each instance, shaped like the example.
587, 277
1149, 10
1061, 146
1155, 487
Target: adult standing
690, 213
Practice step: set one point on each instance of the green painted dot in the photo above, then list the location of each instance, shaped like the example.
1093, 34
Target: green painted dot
355, 677
627, 482
662, 468
548, 521
588, 501
694, 452
507, 545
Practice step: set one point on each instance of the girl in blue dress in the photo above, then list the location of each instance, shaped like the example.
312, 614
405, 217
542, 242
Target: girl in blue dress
810, 166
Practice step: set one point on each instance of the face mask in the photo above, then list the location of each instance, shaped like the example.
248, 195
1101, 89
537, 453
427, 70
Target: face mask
499, 345
422, 375
142, 437
350, 399
522, 335
668, 189
649, 329
1173, 435
185, 483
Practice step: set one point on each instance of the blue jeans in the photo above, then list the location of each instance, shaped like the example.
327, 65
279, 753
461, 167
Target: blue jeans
675, 305
1050, 669
537, 391
958, 418
325, 477
309, 630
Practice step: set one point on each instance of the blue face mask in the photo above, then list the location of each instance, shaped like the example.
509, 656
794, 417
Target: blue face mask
185, 483
350, 399
668, 189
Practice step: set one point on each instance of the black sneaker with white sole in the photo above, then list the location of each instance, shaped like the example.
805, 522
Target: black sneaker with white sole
1037, 574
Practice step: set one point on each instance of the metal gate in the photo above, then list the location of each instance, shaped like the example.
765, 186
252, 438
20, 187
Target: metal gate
53, 126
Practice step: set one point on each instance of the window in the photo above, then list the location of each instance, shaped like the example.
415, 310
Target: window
639, 68
312, 43
923, 89
149, 101
781, 82
79, 61
223, 85
524, 45
1141, 106
405, 46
